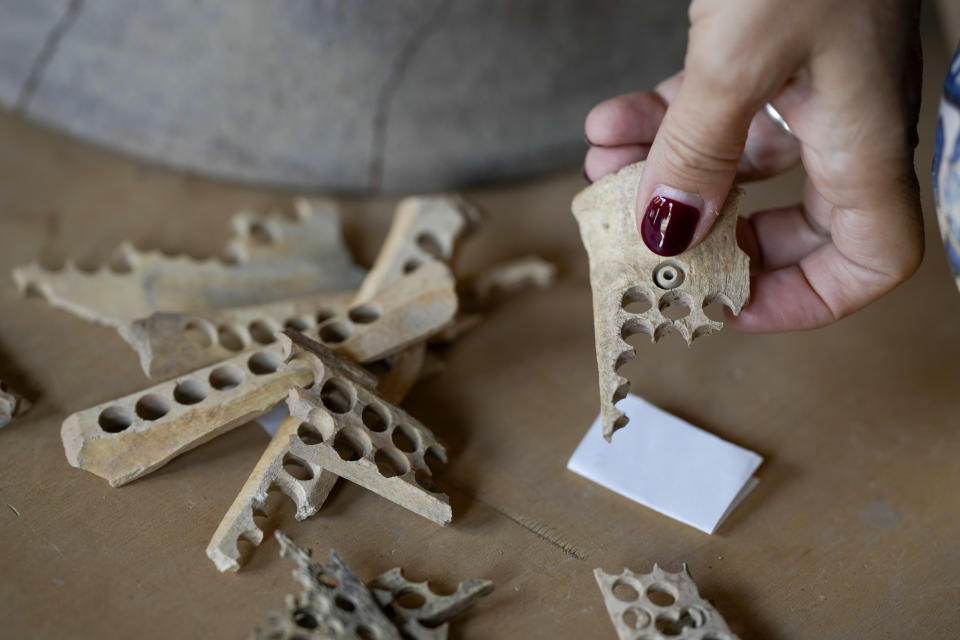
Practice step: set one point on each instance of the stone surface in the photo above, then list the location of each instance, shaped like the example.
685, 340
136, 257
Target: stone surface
359, 96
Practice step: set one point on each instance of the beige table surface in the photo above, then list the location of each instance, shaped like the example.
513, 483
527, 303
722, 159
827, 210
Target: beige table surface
853, 532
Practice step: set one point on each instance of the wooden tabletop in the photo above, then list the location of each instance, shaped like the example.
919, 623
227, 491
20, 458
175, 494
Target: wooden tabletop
853, 530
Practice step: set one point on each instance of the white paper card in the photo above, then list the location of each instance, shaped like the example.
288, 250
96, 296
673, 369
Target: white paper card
270, 421
668, 465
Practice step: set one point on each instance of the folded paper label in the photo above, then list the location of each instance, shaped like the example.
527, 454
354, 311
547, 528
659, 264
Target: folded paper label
668, 465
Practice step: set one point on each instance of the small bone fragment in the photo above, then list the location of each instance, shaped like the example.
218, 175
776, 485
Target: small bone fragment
688, 617
126, 438
334, 603
171, 344
308, 494
624, 273
270, 257
12, 404
429, 620
531, 272
365, 439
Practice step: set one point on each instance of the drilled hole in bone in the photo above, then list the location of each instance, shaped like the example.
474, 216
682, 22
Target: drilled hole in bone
668, 275
365, 633
115, 419
442, 588
190, 392
365, 313
713, 309
264, 362
405, 438
391, 462
669, 627
197, 335
409, 600
304, 619
309, 434
262, 331
430, 244
260, 233
350, 444
636, 300
297, 323
337, 396
624, 592
434, 459
335, 332
660, 596
698, 617
636, 618
426, 481
375, 418
152, 407
323, 315
230, 337
226, 377
673, 307
297, 468
327, 580
412, 265
345, 603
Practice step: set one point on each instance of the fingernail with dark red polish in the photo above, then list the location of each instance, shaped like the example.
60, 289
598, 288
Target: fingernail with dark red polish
583, 172
668, 225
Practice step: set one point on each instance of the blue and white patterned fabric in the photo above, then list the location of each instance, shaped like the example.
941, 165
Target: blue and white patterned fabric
946, 167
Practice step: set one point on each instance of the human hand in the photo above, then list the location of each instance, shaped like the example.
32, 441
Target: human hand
845, 76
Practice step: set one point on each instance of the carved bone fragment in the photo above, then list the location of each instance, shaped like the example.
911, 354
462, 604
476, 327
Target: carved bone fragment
365, 439
633, 287
12, 404
514, 276
429, 620
334, 603
639, 609
126, 438
270, 257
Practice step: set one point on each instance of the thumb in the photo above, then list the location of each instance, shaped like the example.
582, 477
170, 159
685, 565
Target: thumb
693, 161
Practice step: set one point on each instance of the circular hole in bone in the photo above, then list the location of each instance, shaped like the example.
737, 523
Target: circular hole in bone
410, 600
668, 275
365, 313
698, 617
375, 418
304, 619
335, 332
226, 377
297, 468
405, 438
412, 265
365, 633
190, 392
658, 595
430, 244
230, 337
262, 331
309, 434
264, 362
260, 233
197, 335
434, 459
635, 300
670, 627
624, 592
152, 407
115, 419
297, 323
672, 306
345, 603
636, 618
391, 462
713, 309
337, 396
350, 444
327, 580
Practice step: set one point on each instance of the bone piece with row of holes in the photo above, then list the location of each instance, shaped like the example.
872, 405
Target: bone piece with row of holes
286, 448
623, 272
408, 310
687, 617
334, 603
429, 621
366, 439
424, 229
270, 257
126, 438
12, 404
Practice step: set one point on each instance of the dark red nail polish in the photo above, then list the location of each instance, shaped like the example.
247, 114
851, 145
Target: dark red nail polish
583, 172
668, 225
